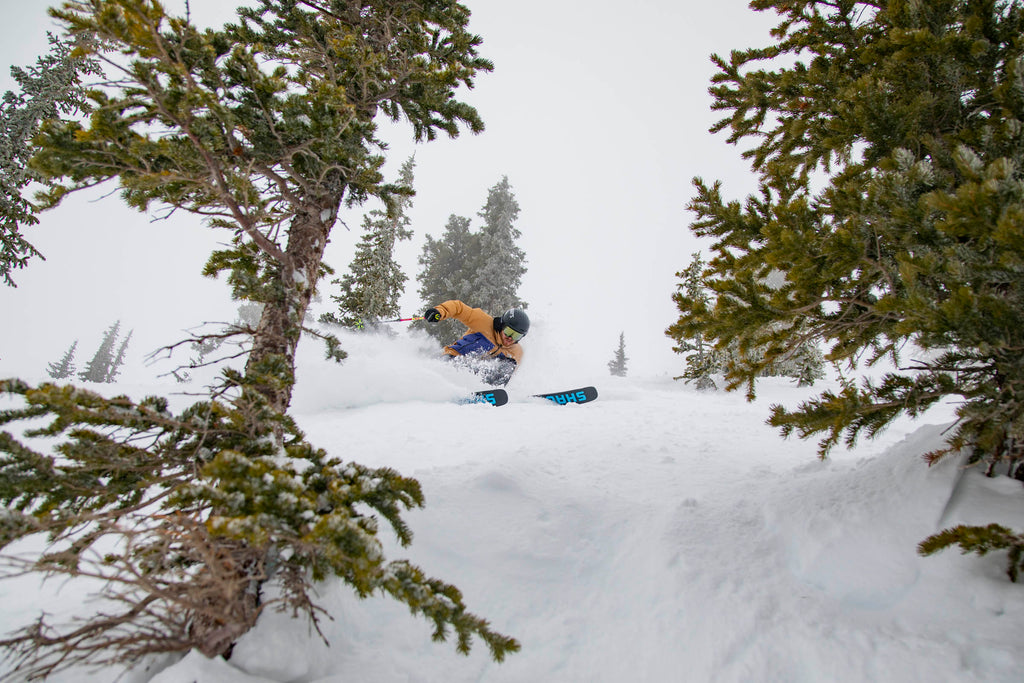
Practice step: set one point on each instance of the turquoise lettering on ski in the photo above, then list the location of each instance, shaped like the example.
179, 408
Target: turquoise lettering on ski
562, 399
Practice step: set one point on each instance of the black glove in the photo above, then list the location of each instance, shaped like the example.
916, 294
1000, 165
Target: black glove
432, 315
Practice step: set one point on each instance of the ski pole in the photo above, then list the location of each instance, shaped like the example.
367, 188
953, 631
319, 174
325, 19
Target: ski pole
402, 320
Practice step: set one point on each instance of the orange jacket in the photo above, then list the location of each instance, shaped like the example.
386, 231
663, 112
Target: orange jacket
477, 320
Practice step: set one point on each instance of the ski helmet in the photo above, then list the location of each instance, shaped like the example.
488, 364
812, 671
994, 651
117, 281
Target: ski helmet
516, 319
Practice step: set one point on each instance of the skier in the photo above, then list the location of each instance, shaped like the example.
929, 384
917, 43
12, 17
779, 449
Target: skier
491, 346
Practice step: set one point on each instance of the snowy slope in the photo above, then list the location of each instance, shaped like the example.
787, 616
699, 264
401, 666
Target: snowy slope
659, 534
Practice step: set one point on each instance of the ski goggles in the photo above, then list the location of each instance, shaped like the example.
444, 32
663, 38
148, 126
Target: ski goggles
512, 334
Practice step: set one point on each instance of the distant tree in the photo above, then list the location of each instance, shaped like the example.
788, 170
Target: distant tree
115, 365
444, 274
374, 283
617, 365
500, 264
804, 362
886, 138
65, 367
702, 360
50, 87
100, 366
484, 268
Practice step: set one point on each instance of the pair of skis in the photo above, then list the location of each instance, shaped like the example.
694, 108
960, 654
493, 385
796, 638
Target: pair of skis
499, 397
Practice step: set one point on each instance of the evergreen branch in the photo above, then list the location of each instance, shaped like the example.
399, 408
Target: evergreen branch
979, 540
853, 411
202, 509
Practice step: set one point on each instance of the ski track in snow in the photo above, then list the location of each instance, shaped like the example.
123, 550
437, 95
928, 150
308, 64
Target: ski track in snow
658, 534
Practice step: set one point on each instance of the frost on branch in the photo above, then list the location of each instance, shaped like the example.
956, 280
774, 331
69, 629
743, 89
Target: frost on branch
184, 520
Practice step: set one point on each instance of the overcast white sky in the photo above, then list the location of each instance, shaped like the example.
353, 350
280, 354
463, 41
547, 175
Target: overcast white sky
597, 112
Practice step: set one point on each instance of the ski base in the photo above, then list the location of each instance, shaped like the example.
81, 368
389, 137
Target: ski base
582, 395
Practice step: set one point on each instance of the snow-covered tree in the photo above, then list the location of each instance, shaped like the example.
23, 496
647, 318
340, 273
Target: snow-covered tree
182, 517
483, 269
115, 365
500, 265
100, 366
886, 141
886, 138
804, 362
264, 127
50, 87
444, 274
65, 367
806, 365
617, 365
702, 360
374, 283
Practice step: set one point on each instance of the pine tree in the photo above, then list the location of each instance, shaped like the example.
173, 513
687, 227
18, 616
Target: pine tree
65, 367
115, 365
48, 88
371, 289
806, 364
617, 365
484, 269
702, 361
886, 138
444, 274
98, 368
907, 117
500, 266
803, 362
176, 503
264, 127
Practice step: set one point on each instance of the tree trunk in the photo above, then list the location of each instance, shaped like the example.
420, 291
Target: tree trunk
280, 326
